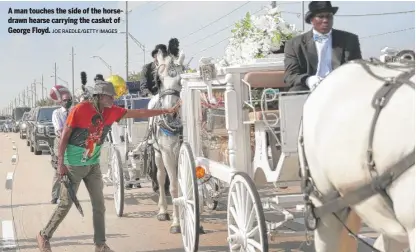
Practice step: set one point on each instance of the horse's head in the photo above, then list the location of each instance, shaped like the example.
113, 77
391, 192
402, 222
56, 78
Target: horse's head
170, 67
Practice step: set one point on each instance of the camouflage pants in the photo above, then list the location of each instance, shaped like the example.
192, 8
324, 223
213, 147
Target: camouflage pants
56, 183
92, 177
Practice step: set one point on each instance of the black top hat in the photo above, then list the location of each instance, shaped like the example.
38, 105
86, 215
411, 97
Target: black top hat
316, 7
161, 47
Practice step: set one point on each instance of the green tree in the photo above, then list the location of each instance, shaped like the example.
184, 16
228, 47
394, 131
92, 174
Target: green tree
45, 102
134, 76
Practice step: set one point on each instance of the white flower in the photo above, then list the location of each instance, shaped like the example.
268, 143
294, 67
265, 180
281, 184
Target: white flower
265, 34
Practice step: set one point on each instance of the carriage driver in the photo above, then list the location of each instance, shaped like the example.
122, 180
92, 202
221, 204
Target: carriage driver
150, 81
78, 157
311, 56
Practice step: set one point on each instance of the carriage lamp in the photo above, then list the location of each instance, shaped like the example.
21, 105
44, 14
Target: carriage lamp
200, 172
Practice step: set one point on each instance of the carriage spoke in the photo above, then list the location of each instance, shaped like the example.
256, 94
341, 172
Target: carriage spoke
235, 216
250, 221
253, 243
238, 195
233, 228
253, 232
250, 249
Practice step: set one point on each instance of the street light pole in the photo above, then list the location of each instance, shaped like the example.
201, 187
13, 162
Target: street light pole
73, 80
55, 75
105, 63
42, 87
139, 44
127, 41
303, 15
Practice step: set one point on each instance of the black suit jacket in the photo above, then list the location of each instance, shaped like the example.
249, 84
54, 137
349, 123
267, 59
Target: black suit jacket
301, 57
149, 81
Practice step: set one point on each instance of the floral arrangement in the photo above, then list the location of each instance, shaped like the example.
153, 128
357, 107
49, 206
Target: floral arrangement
256, 37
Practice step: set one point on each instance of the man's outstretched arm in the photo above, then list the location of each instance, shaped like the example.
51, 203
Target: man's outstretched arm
145, 113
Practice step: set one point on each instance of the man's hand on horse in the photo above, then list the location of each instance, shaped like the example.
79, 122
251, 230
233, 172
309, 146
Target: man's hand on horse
175, 108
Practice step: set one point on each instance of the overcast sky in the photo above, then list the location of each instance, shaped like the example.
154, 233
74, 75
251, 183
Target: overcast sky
24, 58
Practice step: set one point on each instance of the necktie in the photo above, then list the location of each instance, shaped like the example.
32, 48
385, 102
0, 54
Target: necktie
320, 38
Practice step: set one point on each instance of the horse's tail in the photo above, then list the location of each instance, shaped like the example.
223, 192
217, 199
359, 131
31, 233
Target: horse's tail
173, 47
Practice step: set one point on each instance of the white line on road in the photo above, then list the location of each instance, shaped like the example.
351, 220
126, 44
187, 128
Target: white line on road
8, 240
9, 181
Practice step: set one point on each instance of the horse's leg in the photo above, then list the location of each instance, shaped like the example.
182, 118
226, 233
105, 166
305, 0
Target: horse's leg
171, 160
412, 238
386, 244
327, 236
163, 214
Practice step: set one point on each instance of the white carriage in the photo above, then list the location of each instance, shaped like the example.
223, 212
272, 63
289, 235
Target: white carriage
240, 146
120, 163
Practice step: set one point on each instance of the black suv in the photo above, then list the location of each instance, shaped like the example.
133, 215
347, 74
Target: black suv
40, 130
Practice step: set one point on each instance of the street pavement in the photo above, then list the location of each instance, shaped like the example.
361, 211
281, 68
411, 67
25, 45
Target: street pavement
137, 231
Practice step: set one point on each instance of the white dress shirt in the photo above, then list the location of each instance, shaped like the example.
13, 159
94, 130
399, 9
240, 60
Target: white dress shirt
324, 51
58, 119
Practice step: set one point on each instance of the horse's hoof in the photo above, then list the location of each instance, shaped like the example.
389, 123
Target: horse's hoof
163, 217
201, 230
175, 230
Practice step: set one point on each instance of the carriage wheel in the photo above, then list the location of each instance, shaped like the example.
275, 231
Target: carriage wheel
118, 181
246, 224
188, 199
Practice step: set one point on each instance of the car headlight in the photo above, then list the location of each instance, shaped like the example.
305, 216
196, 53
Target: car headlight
41, 129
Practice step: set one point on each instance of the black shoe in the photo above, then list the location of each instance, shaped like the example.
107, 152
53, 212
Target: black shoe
54, 201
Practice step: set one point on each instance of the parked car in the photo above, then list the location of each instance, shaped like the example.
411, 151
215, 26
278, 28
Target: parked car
40, 130
23, 125
2, 122
17, 116
8, 125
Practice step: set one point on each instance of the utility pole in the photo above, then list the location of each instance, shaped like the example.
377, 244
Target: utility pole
27, 96
34, 93
127, 41
73, 69
303, 15
55, 75
34, 87
42, 87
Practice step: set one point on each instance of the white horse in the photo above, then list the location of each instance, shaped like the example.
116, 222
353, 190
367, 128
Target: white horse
336, 148
166, 142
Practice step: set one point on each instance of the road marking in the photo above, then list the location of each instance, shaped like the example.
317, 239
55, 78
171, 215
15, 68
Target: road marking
8, 240
9, 181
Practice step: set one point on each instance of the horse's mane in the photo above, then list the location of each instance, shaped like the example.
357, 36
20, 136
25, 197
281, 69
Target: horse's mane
173, 47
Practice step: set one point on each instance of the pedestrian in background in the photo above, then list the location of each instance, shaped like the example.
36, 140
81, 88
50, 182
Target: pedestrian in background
59, 116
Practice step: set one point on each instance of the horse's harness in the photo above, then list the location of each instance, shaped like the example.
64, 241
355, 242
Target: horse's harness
168, 128
379, 183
